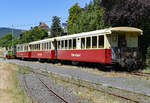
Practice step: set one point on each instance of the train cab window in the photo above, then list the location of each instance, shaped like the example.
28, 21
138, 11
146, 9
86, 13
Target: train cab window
88, 42
82, 43
94, 42
101, 41
66, 43
70, 44
74, 43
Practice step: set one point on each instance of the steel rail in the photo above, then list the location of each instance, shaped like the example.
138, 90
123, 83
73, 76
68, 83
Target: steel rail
50, 90
103, 91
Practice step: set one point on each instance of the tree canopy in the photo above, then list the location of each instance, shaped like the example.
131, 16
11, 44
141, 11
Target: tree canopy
126, 12
85, 19
6, 40
33, 35
56, 29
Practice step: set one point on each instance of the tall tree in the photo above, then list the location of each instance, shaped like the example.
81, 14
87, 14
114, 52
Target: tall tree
86, 19
130, 13
56, 29
74, 14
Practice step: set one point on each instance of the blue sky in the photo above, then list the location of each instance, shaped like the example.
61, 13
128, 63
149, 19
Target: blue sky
20, 12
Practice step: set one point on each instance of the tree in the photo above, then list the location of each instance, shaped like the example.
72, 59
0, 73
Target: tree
6, 40
56, 29
130, 13
33, 35
87, 19
74, 14
126, 12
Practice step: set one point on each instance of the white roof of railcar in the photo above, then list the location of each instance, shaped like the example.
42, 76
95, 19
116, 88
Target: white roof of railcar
91, 33
42, 41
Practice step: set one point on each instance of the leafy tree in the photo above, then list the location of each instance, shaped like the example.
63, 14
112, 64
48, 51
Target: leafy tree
6, 40
74, 14
130, 13
33, 35
56, 29
86, 19
126, 12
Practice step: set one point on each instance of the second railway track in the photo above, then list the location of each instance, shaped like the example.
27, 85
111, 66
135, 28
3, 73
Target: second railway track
128, 98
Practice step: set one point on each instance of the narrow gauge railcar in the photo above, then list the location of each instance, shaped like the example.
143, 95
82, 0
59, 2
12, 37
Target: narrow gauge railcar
22, 51
117, 45
42, 49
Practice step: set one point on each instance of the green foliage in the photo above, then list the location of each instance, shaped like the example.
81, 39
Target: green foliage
33, 35
87, 19
56, 29
6, 40
73, 19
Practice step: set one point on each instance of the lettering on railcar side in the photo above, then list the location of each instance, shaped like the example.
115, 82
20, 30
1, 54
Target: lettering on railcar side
39, 54
75, 55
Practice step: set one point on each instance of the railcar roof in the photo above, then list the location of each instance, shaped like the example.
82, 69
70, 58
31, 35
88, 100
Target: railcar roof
97, 32
127, 29
42, 41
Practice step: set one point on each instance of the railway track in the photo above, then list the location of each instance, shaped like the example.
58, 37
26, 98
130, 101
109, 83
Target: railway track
110, 93
90, 88
49, 89
141, 74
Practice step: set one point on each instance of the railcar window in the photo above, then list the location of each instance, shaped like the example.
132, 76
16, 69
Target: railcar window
83, 43
94, 42
88, 42
38, 46
74, 43
44, 46
49, 45
62, 44
70, 44
58, 44
66, 43
101, 42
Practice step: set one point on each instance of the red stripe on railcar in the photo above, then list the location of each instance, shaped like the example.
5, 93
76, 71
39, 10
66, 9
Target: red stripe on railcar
90, 55
50, 54
26, 54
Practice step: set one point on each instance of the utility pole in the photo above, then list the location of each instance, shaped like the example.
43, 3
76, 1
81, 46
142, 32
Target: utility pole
12, 32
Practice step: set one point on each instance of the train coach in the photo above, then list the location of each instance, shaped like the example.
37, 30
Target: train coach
118, 45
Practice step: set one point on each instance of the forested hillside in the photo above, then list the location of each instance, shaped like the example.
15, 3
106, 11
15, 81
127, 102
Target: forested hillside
4, 31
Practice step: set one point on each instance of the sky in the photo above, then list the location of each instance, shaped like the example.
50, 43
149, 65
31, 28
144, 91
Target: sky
26, 12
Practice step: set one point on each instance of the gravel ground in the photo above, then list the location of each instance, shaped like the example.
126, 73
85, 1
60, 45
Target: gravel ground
131, 84
40, 93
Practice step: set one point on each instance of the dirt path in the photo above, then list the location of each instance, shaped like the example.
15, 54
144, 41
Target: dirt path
6, 83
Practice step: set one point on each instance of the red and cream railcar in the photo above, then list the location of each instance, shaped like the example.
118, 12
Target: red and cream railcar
86, 47
43, 49
112, 45
22, 51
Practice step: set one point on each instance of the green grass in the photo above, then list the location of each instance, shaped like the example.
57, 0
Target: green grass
18, 92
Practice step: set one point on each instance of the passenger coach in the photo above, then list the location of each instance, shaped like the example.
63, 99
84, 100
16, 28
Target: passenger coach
117, 45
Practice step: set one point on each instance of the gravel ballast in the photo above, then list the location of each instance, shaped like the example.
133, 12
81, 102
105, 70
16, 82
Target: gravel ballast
131, 84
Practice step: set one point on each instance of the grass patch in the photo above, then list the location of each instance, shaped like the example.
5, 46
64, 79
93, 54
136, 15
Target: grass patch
17, 93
